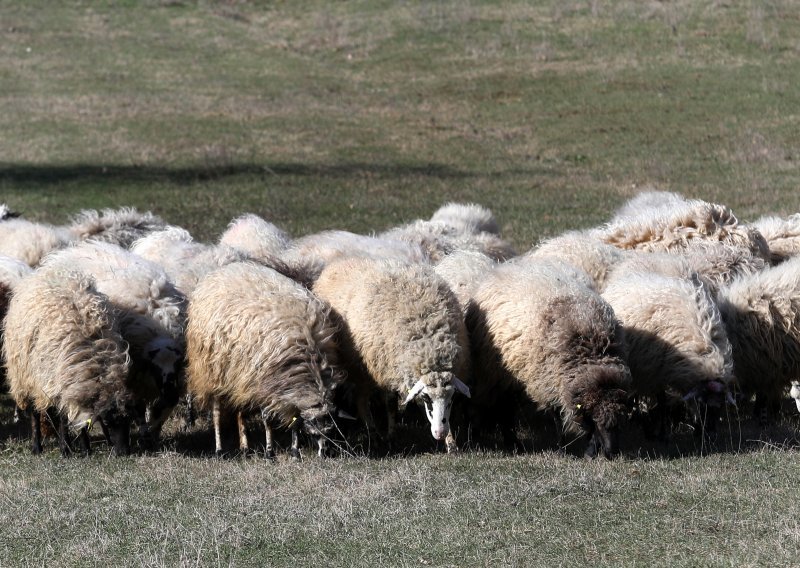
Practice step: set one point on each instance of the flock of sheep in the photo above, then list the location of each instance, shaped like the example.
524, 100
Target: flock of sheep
117, 317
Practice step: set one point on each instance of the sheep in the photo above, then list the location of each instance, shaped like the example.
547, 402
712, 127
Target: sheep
580, 249
30, 242
438, 240
63, 349
538, 330
403, 331
255, 237
715, 264
467, 218
118, 226
309, 255
782, 236
152, 316
463, 270
679, 223
761, 312
258, 340
675, 341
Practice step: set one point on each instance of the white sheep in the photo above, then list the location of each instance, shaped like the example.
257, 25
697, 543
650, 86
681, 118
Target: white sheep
404, 336
468, 218
582, 250
118, 226
63, 350
151, 311
761, 312
463, 271
309, 255
438, 240
538, 331
259, 239
677, 224
30, 242
782, 236
258, 340
675, 341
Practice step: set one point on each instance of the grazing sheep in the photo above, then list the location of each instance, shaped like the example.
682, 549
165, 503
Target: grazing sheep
151, 312
258, 340
438, 240
580, 249
467, 218
536, 329
310, 254
118, 226
30, 242
463, 271
675, 341
255, 237
63, 350
761, 313
404, 333
782, 236
679, 223
717, 264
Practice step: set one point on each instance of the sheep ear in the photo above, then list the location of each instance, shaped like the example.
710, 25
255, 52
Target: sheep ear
461, 387
415, 390
346, 415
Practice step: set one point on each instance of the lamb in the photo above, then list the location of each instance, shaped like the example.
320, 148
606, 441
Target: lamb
664, 228
467, 218
255, 237
782, 236
463, 271
63, 349
580, 249
404, 334
675, 341
538, 330
438, 240
118, 226
309, 255
761, 312
258, 340
30, 242
151, 311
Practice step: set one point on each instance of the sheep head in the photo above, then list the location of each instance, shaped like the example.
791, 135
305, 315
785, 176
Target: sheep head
165, 359
436, 391
602, 406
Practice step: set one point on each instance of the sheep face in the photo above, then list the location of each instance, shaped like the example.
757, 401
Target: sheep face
795, 393
436, 391
318, 422
602, 408
166, 361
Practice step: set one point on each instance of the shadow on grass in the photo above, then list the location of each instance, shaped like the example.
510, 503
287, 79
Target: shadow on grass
44, 175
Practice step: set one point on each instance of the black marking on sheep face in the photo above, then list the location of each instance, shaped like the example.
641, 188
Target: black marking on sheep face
601, 407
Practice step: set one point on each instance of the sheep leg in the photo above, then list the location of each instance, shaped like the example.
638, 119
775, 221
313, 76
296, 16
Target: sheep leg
36, 432
63, 433
216, 416
104, 428
244, 443
86, 448
190, 416
450, 443
390, 401
294, 451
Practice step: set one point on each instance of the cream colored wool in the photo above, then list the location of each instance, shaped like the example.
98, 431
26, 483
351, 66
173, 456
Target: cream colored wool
117, 226
782, 236
580, 249
463, 271
63, 348
664, 228
535, 327
309, 255
674, 335
257, 339
257, 238
30, 242
761, 312
467, 218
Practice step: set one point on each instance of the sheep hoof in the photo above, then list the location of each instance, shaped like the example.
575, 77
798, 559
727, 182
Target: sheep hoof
270, 455
295, 454
452, 448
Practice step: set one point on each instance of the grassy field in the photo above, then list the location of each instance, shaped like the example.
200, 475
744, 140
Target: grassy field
360, 116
